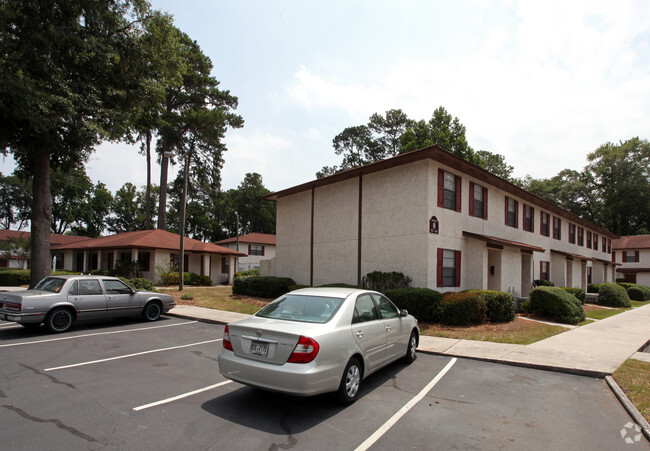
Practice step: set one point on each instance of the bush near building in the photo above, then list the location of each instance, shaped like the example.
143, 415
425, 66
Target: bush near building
613, 295
382, 281
262, 286
639, 293
578, 293
423, 303
556, 303
463, 309
500, 305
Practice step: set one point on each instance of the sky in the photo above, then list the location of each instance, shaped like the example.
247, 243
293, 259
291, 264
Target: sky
542, 83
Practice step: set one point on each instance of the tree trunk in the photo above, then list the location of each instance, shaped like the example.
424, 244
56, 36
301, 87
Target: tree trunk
41, 218
162, 205
147, 224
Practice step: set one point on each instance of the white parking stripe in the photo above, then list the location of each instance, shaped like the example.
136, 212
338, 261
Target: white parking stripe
403, 411
71, 337
130, 355
184, 395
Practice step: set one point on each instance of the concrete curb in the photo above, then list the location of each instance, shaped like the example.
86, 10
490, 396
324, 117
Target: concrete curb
627, 404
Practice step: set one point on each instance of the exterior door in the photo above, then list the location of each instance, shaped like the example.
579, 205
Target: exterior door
369, 331
89, 299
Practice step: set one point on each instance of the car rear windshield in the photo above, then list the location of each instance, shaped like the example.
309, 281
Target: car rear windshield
52, 284
310, 309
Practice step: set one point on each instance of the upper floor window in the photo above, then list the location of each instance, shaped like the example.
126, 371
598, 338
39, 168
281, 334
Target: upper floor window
588, 239
544, 223
581, 236
572, 233
595, 241
449, 190
557, 228
255, 249
529, 217
604, 244
477, 201
630, 256
512, 207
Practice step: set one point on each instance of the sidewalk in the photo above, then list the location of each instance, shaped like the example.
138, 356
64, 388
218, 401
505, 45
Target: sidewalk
596, 349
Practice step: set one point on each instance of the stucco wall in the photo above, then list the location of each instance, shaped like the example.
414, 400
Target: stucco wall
293, 234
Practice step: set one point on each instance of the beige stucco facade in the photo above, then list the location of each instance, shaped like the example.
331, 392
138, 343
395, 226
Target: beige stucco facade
377, 218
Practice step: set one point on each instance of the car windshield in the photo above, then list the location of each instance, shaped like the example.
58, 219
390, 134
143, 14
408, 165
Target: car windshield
310, 309
52, 284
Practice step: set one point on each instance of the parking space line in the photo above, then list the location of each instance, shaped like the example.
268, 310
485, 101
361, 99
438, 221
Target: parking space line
184, 395
404, 410
130, 355
95, 334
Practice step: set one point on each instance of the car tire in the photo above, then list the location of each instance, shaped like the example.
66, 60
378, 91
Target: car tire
151, 311
350, 382
410, 349
59, 320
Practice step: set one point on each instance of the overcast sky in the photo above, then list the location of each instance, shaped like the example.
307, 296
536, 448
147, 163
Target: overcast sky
541, 82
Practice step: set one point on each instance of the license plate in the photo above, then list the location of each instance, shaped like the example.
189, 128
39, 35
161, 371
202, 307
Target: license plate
259, 348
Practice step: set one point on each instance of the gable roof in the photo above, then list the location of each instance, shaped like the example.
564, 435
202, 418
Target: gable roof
252, 238
148, 239
442, 156
632, 242
54, 239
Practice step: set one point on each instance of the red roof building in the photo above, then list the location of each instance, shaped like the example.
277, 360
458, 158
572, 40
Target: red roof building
633, 253
258, 246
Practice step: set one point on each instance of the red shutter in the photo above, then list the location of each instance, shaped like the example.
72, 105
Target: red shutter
505, 212
471, 198
459, 200
541, 270
441, 188
457, 268
541, 222
439, 269
262, 251
485, 209
223, 265
249, 249
636, 256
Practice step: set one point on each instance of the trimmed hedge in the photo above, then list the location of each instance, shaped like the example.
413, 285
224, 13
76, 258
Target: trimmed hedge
463, 309
140, 283
14, 277
639, 293
189, 278
423, 303
262, 286
542, 283
556, 303
500, 305
382, 281
613, 295
577, 292
593, 288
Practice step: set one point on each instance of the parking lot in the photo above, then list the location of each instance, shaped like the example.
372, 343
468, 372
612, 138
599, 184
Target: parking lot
132, 385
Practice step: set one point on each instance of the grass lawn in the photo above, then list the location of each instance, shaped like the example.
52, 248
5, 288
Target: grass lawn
219, 298
519, 331
634, 378
602, 313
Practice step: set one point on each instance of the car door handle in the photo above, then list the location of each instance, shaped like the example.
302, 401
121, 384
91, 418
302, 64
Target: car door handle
388, 328
360, 334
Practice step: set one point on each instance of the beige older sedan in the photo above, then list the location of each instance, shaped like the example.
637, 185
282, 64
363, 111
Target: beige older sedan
318, 340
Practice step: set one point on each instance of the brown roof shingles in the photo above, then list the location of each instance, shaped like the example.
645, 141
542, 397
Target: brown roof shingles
253, 238
632, 242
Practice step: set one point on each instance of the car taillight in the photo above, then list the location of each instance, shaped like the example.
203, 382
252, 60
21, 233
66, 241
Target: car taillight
226, 339
13, 306
305, 351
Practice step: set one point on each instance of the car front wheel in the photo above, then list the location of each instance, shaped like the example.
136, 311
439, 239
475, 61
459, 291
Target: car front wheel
151, 311
350, 382
410, 350
59, 320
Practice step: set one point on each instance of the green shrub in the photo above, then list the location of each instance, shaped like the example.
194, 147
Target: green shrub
169, 278
422, 303
578, 293
557, 304
500, 305
298, 287
99, 272
593, 288
524, 306
249, 272
187, 296
14, 277
382, 281
624, 284
203, 281
613, 295
462, 309
542, 283
262, 286
639, 293
141, 284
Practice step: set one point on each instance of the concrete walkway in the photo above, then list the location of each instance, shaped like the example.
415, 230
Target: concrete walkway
596, 349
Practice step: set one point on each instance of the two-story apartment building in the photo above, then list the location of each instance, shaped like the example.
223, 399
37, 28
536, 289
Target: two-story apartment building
258, 246
444, 222
633, 254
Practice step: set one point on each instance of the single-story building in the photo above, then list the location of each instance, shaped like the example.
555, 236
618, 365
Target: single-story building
156, 250
633, 253
258, 246
448, 224
22, 262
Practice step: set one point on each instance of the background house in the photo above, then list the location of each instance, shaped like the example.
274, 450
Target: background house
155, 250
633, 253
12, 260
446, 223
258, 246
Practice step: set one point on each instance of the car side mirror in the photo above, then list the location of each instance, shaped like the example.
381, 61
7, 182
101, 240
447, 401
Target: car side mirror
403, 313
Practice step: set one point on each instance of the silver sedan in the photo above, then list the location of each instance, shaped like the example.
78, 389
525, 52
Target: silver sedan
318, 340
